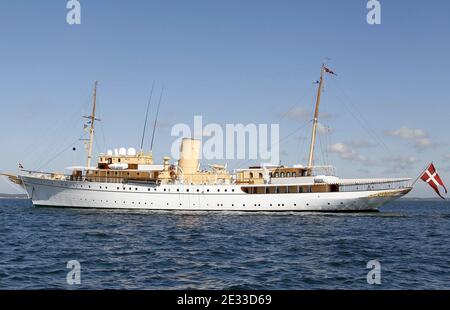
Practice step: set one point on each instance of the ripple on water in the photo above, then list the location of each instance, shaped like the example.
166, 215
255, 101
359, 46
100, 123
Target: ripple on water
208, 250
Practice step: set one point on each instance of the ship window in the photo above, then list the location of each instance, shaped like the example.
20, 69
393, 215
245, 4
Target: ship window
293, 189
118, 160
207, 190
251, 174
294, 174
288, 174
276, 174
225, 189
260, 175
198, 190
218, 190
270, 174
232, 190
271, 189
187, 190
164, 189
282, 174
178, 189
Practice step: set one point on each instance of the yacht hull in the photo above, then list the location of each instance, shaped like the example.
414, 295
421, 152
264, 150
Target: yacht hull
72, 194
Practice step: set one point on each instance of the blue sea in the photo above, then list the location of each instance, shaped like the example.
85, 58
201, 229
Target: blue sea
213, 250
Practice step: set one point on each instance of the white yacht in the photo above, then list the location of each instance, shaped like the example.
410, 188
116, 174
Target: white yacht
126, 179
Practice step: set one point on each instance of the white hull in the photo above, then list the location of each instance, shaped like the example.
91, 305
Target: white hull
56, 193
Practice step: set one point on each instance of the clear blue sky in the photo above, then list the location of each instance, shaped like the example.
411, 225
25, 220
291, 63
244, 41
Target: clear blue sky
230, 61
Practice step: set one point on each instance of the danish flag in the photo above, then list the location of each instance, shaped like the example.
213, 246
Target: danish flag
431, 177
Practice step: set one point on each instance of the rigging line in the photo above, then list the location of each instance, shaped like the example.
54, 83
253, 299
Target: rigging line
156, 118
307, 92
363, 124
283, 115
146, 116
279, 142
96, 143
320, 136
369, 128
57, 155
38, 146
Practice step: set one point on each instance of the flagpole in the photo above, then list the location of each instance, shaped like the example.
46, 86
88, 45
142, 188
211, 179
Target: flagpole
417, 179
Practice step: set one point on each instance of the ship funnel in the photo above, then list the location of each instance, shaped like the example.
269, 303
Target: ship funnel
189, 153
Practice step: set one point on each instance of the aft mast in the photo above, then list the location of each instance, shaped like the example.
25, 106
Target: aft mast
323, 70
315, 121
91, 129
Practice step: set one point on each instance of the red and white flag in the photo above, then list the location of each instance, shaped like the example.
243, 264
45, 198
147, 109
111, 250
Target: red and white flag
433, 179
